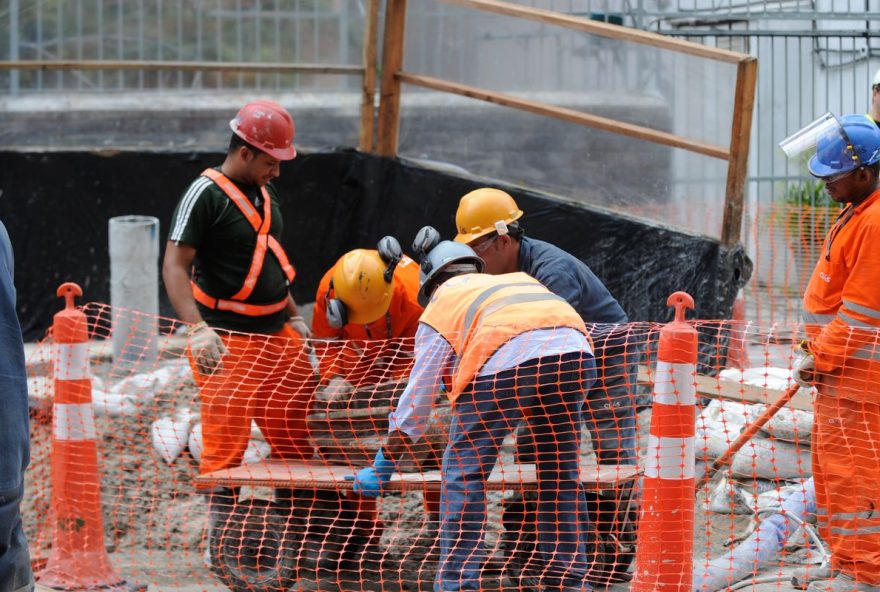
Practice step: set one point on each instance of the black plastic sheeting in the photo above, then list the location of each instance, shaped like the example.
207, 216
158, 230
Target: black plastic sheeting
56, 206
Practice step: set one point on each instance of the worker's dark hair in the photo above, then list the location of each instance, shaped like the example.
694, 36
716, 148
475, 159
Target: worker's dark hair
874, 168
237, 142
515, 230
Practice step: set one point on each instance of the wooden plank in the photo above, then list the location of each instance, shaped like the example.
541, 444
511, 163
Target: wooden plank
740, 137
585, 119
602, 29
368, 97
299, 474
731, 390
252, 67
392, 62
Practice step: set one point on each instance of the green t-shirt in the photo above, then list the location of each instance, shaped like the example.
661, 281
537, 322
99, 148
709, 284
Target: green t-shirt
206, 219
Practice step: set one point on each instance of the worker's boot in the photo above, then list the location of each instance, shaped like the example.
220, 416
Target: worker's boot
842, 583
802, 577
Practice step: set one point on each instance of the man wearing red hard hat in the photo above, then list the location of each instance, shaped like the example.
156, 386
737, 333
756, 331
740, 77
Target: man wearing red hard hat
227, 275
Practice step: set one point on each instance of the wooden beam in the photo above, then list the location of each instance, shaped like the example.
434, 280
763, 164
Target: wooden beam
249, 67
731, 390
392, 62
602, 29
740, 136
368, 97
571, 115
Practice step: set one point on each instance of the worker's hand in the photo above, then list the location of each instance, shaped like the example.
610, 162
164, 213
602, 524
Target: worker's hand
299, 325
804, 367
370, 481
207, 348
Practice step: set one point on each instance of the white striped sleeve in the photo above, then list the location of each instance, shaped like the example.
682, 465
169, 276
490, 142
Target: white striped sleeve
185, 208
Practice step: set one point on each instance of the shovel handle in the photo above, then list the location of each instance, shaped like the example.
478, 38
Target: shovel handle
746, 435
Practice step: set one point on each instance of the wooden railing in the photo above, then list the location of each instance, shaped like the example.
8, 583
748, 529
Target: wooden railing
736, 154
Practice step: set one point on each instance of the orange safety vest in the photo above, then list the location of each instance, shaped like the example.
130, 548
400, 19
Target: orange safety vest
842, 303
478, 313
236, 303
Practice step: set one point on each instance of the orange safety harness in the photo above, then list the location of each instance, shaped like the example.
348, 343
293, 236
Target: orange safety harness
264, 241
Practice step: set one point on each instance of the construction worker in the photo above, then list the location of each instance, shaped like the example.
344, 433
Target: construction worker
841, 356
15, 563
245, 338
367, 306
505, 348
874, 112
366, 300
488, 221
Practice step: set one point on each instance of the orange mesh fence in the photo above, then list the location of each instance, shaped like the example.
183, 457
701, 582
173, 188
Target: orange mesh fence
279, 444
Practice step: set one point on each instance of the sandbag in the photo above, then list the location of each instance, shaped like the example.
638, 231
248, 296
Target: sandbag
763, 458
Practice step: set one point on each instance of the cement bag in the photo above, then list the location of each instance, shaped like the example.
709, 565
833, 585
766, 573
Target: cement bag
256, 451
171, 434
792, 425
727, 498
718, 425
194, 443
115, 403
768, 377
761, 458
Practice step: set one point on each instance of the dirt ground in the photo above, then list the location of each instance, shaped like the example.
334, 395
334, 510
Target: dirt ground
155, 524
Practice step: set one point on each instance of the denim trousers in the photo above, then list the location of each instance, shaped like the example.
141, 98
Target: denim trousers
549, 393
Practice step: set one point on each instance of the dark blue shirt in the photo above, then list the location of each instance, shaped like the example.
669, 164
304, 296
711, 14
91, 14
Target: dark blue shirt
567, 276
14, 431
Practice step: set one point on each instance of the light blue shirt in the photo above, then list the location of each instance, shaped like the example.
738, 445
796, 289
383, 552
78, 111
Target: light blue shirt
435, 358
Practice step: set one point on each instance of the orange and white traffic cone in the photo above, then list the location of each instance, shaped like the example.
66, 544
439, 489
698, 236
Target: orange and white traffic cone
664, 553
78, 560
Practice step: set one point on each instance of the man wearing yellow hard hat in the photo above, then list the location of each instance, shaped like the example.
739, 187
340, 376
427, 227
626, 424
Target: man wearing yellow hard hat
370, 296
487, 220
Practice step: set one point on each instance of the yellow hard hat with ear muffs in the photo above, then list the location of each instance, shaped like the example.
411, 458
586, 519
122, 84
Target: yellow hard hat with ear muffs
362, 284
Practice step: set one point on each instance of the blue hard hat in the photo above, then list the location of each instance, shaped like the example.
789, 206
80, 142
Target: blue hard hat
835, 155
440, 257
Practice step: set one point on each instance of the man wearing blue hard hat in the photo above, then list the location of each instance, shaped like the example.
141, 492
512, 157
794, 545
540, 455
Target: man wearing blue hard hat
841, 355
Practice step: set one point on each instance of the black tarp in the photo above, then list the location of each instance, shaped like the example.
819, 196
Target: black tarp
56, 206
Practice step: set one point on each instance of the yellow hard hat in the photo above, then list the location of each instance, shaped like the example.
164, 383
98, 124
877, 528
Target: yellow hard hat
483, 211
359, 282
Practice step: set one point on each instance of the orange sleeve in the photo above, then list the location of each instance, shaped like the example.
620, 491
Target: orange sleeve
852, 333
321, 329
406, 295
331, 353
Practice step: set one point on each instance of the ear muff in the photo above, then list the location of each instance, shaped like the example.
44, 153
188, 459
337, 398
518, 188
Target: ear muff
335, 310
391, 253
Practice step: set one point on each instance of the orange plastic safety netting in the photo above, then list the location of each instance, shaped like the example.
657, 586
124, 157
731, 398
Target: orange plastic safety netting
282, 442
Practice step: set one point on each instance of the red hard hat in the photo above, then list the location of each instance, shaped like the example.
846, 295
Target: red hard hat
268, 126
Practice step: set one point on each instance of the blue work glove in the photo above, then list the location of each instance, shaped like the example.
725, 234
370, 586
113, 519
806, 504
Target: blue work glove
370, 480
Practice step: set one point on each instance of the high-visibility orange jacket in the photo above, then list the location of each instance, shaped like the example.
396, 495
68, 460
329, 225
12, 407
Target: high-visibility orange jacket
478, 313
355, 360
842, 302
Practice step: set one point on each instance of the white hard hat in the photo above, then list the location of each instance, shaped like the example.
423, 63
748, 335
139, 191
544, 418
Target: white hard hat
876, 80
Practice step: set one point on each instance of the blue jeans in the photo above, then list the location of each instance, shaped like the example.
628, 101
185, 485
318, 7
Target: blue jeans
15, 563
609, 409
551, 392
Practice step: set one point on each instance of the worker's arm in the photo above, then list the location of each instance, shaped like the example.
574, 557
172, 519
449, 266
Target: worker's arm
408, 422
206, 345
853, 331
175, 273
296, 320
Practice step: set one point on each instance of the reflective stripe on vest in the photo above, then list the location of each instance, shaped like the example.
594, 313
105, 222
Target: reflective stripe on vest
475, 315
264, 241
